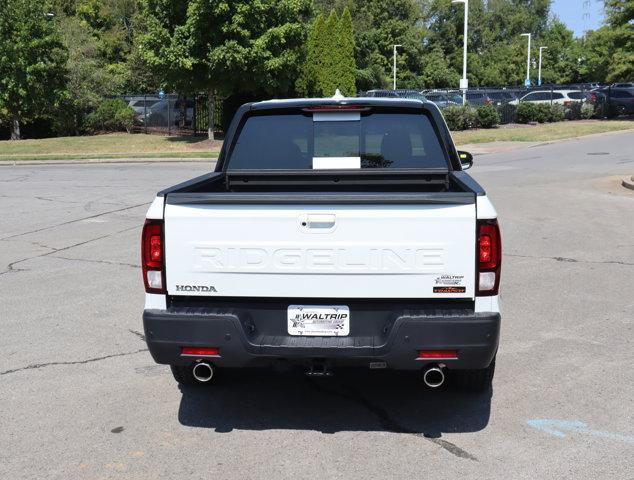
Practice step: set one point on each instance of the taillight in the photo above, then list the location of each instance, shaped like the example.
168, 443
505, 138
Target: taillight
153, 256
335, 107
489, 251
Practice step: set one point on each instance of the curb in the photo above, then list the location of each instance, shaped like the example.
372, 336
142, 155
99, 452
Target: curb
88, 161
628, 182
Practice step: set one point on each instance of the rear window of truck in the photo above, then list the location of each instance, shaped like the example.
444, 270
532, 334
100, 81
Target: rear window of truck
336, 140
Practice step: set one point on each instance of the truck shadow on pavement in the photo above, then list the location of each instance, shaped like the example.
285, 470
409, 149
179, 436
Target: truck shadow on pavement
348, 401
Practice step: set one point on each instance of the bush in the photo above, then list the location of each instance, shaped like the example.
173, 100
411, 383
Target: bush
526, 112
587, 111
556, 112
543, 112
539, 112
487, 116
573, 111
460, 117
112, 115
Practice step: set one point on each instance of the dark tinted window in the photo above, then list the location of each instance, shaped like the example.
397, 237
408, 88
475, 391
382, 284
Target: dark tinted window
576, 95
622, 93
556, 95
380, 140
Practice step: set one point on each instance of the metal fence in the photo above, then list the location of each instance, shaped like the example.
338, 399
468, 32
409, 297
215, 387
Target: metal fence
168, 114
506, 99
173, 114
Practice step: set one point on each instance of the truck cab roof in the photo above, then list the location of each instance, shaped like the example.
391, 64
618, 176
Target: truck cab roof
386, 102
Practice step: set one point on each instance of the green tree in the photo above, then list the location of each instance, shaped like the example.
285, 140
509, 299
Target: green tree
306, 83
329, 56
223, 47
620, 21
347, 65
32, 63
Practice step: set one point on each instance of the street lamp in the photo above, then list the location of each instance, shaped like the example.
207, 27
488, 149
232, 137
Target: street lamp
527, 82
464, 83
539, 71
395, 47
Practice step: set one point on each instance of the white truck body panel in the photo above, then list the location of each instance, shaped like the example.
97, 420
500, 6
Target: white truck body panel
320, 251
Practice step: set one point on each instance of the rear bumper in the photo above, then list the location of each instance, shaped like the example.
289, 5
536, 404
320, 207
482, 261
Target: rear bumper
475, 336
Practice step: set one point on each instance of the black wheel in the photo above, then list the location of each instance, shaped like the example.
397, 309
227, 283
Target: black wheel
183, 375
475, 380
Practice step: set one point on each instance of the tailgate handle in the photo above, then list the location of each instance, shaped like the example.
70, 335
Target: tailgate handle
319, 221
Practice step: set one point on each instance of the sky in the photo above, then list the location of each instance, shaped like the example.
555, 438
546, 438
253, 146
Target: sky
571, 12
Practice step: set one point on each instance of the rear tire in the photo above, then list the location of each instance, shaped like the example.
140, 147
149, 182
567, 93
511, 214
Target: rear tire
184, 375
479, 380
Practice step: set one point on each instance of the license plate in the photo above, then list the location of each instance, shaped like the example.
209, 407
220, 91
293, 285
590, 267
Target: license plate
319, 320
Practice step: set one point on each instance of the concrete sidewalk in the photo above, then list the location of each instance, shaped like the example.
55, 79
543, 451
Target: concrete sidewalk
495, 147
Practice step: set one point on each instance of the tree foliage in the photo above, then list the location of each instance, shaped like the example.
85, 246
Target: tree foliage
330, 62
59, 59
32, 64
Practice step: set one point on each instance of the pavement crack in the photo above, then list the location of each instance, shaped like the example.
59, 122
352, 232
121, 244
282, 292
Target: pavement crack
73, 221
389, 423
138, 334
570, 260
11, 266
122, 264
35, 366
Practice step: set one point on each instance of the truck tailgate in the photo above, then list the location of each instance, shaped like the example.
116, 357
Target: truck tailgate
321, 251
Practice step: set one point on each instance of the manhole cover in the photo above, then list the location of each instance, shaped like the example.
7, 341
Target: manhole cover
598, 153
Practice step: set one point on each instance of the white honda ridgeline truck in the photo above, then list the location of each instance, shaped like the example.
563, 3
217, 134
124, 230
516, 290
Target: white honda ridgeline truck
336, 232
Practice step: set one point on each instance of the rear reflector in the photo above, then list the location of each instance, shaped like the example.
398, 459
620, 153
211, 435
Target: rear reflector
438, 354
201, 351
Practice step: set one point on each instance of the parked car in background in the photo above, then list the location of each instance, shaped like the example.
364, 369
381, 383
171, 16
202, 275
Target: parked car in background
561, 97
620, 100
415, 94
141, 105
444, 99
501, 97
623, 85
479, 98
164, 113
380, 93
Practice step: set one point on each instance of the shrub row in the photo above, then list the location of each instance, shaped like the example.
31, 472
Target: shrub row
545, 112
539, 112
463, 117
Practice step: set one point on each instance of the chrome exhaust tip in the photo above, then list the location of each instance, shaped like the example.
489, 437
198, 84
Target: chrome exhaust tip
203, 372
434, 377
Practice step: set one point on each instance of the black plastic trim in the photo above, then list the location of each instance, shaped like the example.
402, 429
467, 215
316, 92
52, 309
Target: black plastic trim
322, 198
466, 182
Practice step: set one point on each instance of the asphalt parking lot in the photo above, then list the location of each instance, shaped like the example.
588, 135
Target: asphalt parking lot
81, 397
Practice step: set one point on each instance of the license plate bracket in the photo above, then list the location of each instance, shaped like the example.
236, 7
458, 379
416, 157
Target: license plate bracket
318, 320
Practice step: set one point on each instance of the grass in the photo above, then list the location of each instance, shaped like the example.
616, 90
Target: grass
106, 146
541, 133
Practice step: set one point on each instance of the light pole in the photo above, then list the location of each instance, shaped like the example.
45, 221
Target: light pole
395, 47
527, 82
464, 83
539, 71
